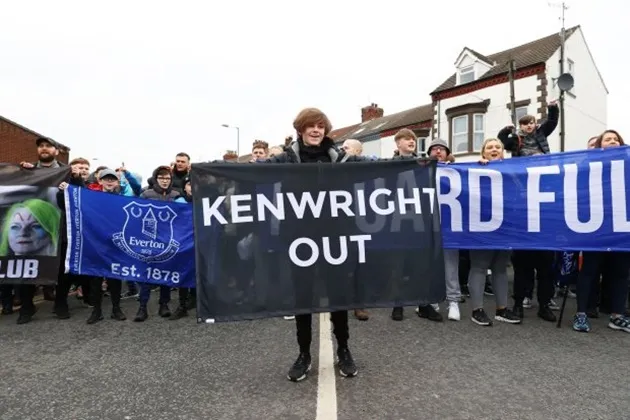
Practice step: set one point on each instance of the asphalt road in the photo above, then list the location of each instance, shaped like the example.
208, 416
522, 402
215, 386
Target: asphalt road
414, 369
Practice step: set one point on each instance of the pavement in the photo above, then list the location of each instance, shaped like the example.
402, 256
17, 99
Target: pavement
414, 369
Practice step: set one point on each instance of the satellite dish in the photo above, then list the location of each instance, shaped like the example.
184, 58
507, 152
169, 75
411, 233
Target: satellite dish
565, 82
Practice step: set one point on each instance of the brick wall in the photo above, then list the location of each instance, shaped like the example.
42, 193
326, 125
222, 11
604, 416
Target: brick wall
18, 145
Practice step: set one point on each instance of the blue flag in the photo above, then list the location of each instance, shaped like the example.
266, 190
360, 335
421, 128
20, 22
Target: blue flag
129, 239
563, 201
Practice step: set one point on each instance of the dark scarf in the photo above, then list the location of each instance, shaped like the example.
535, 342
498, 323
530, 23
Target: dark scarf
309, 154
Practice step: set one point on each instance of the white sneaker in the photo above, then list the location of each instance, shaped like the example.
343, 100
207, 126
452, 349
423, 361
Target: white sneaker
453, 311
289, 318
527, 303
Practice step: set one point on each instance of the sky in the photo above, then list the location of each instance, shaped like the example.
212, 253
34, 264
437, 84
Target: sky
139, 81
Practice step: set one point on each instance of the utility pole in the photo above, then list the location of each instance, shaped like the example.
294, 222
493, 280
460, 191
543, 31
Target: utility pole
563, 7
512, 94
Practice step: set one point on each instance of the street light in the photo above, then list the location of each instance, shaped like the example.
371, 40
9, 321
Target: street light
238, 138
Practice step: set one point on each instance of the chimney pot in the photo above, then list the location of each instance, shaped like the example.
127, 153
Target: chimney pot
371, 112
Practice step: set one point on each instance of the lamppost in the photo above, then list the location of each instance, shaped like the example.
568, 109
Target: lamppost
238, 138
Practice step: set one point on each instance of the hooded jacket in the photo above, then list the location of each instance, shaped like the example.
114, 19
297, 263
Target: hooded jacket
513, 142
159, 193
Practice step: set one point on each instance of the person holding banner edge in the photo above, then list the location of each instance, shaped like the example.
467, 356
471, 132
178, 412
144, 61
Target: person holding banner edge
406, 142
495, 260
532, 266
313, 146
162, 190
593, 263
110, 183
47, 152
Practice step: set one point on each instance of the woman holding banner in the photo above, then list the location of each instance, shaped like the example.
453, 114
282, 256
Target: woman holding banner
593, 263
497, 261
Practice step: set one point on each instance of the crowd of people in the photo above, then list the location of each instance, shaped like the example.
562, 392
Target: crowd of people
601, 283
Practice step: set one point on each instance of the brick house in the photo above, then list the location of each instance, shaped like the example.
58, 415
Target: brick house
17, 144
376, 130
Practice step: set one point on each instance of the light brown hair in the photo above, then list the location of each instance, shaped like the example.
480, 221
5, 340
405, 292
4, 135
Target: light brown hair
311, 116
405, 133
598, 143
260, 144
80, 161
526, 119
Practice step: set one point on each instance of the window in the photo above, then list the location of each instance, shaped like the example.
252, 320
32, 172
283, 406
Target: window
422, 144
467, 126
571, 70
478, 132
466, 75
460, 134
521, 112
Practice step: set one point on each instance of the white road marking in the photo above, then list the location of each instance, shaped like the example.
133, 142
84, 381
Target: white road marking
326, 388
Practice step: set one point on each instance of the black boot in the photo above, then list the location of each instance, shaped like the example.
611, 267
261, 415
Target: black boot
164, 311
397, 313
118, 314
142, 314
62, 311
97, 315
179, 313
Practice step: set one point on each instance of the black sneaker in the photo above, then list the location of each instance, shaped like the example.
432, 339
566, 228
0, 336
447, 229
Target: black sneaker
519, 311
142, 314
429, 313
346, 365
480, 317
97, 315
164, 311
465, 291
118, 314
26, 316
505, 315
300, 368
179, 313
397, 313
545, 312
62, 312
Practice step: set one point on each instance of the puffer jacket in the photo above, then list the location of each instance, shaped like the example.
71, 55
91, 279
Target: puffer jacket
161, 194
512, 142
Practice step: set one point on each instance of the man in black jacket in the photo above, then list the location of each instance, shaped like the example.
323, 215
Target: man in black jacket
47, 152
529, 140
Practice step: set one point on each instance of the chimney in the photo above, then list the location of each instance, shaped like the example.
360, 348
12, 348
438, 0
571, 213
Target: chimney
371, 112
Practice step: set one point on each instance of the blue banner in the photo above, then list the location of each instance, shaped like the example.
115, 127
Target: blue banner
563, 201
129, 239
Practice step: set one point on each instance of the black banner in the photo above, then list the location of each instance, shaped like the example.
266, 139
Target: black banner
30, 229
285, 239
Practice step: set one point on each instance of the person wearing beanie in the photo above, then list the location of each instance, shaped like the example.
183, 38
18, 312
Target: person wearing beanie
438, 149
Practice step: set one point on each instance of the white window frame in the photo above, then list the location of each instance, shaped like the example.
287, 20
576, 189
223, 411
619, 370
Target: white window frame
477, 131
571, 70
465, 133
522, 114
465, 72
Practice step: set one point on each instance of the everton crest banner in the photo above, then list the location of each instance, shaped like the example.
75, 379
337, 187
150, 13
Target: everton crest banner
285, 239
129, 239
30, 222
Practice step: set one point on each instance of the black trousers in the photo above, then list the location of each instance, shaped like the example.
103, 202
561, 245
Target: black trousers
530, 266
616, 265
96, 292
6, 295
304, 326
